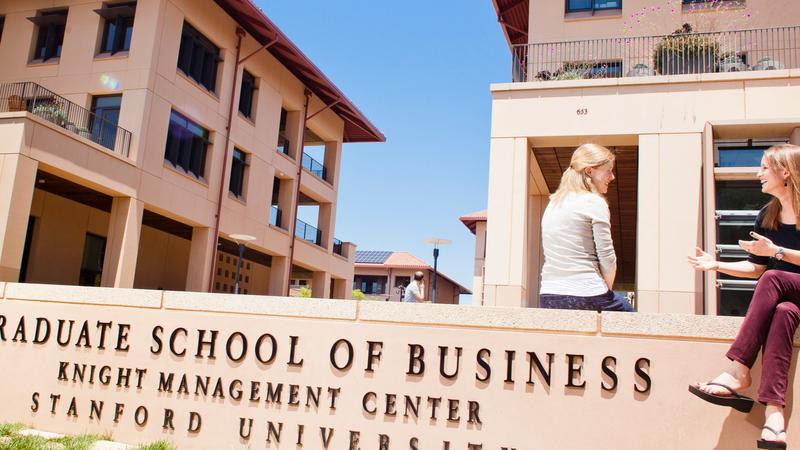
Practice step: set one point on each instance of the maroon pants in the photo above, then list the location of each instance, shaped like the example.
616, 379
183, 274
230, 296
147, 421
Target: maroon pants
770, 323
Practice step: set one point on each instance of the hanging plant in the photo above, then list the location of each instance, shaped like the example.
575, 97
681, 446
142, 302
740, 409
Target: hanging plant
686, 52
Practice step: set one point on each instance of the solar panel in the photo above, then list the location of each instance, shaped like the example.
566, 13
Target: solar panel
372, 256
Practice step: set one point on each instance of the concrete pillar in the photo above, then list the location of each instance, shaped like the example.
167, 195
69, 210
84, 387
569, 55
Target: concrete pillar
321, 285
17, 181
326, 224
669, 223
199, 271
480, 263
294, 132
507, 252
332, 162
287, 197
340, 289
278, 276
122, 243
795, 137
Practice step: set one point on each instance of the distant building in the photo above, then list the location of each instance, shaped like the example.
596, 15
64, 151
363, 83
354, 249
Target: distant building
383, 275
476, 223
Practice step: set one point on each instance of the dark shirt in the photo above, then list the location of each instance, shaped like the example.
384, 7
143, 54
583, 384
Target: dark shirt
785, 236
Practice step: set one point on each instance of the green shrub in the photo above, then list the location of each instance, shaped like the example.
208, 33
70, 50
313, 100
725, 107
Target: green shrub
305, 292
358, 295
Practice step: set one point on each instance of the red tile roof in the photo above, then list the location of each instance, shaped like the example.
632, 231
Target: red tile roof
470, 220
357, 128
513, 17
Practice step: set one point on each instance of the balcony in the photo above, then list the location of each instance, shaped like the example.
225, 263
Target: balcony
683, 52
308, 233
315, 167
43, 103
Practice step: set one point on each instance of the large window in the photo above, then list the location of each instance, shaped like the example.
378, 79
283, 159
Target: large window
94, 250
592, 5
283, 140
105, 119
238, 168
370, 284
198, 57
247, 94
186, 145
118, 27
50, 33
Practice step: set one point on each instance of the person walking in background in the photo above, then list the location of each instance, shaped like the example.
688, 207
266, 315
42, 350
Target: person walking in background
773, 315
579, 259
415, 291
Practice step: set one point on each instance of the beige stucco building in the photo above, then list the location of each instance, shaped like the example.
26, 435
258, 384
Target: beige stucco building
688, 115
137, 137
384, 275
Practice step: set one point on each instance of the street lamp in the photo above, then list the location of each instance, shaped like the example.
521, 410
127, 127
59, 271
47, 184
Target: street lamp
436, 242
242, 240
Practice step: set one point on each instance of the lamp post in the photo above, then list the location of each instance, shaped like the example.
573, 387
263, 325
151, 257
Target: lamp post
242, 240
436, 242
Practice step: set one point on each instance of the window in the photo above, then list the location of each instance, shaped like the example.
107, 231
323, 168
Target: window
186, 145
592, 5
50, 37
105, 119
118, 27
238, 166
740, 154
198, 58
370, 284
247, 94
283, 141
94, 250
402, 281
2, 24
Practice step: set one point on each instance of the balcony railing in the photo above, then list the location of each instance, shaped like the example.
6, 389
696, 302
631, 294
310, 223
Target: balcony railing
315, 167
275, 214
678, 53
41, 102
337, 247
308, 233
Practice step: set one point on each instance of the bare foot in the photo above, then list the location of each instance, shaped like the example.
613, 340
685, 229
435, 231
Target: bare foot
736, 376
775, 421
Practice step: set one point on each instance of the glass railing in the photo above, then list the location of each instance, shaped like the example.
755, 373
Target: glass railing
315, 167
307, 232
43, 103
275, 216
338, 247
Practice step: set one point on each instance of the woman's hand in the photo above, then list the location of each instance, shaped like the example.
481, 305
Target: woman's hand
703, 261
760, 246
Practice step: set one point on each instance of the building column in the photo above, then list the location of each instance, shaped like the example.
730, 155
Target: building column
332, 162
508, 249
198, 274
795, 137
321, 284
325, 222
340, 290
122, 242
17, 182
278, 276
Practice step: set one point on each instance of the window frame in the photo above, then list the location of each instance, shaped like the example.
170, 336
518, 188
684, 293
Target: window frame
238, 172
185, 150
113, 14
592, 9
50, 33
199, 58
247, 94
98, 113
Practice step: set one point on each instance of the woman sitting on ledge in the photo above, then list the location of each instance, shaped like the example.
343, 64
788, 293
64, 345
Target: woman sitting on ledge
579, 260
773, 315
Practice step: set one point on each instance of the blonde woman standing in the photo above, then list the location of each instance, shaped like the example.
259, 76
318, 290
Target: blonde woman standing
579, 259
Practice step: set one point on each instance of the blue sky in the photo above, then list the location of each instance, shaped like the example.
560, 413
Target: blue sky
420, 70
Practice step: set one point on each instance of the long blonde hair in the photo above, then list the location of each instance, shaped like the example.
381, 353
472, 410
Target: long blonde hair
575, 178
779, 158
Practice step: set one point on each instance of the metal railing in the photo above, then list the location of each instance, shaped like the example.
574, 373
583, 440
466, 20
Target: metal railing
338, 247
41, 102
315, 167
307, 232
275, 214
677, 53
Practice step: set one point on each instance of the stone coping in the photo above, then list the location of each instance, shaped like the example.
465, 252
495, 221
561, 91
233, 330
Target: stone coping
655, 79
611, 324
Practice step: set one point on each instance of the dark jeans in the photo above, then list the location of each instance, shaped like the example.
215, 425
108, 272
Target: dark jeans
604, 302
769, 325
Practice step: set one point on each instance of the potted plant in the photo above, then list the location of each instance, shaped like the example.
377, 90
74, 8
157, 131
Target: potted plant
640, 70
52, 112
768, 63
732, 63
686, 52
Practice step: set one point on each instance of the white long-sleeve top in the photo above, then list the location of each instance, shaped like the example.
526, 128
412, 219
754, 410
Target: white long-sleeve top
578, 249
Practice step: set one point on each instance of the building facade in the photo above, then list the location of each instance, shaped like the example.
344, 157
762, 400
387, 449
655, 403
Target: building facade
687, 93
384, 275
137, 139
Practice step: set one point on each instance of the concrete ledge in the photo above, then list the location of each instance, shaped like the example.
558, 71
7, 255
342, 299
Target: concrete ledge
479, 316
670, 325
261, 305
140, 298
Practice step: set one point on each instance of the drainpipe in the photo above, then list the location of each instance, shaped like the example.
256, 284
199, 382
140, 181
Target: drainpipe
239, 37
299, 156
